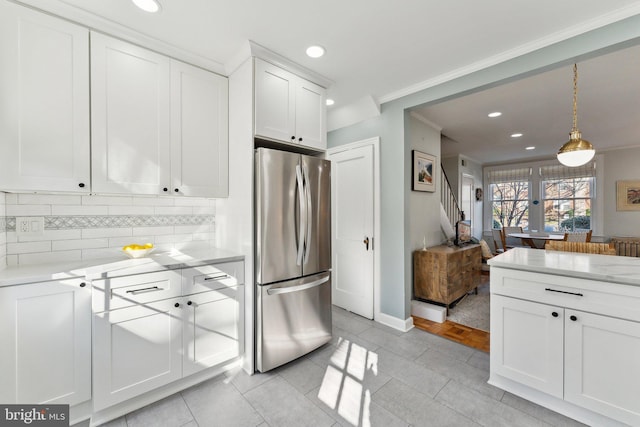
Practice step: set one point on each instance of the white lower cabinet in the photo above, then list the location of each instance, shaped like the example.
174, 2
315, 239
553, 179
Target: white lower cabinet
165, 326
136, 349
45, 356
211, 329
602, 365
564, 349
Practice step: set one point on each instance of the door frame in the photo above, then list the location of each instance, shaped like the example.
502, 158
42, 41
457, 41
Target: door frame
472, 200
375, 143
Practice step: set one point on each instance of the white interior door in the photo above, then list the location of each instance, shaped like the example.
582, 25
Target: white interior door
352, 188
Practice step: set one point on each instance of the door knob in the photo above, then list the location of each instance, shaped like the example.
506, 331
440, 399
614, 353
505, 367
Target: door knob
366, 242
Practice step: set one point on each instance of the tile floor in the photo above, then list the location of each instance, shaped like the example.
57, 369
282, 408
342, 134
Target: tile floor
369, 375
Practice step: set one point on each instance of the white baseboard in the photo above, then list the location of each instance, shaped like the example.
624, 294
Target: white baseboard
432, 312
395, 323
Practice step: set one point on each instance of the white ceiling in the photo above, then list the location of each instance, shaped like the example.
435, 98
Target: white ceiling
541, 108
386, 49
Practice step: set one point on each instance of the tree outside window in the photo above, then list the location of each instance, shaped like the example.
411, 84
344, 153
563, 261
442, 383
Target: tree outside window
510, 204
567, 204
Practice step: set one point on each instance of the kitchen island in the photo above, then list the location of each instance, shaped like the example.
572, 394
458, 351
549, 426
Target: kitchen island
565, 332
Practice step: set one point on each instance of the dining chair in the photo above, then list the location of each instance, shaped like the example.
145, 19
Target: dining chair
578, 236
499, 242
512, 242
581, 247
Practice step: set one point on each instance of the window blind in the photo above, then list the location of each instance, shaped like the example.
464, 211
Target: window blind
551, 172
508, 175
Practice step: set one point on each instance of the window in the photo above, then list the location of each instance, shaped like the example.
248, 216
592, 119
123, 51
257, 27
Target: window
509, 197
567, 195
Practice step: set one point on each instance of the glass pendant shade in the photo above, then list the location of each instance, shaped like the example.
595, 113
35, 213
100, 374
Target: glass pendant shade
576, 151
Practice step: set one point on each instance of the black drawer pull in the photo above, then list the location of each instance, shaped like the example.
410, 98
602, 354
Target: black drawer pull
574, 318
564, 292
151, 289
554, 314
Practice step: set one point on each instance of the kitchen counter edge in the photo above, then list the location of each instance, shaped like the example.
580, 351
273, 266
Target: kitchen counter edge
116, 266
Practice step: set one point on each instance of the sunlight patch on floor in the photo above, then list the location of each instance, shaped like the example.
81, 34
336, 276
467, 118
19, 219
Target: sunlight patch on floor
343, 387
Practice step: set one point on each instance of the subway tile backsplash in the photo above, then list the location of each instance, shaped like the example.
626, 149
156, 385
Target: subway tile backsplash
88, 227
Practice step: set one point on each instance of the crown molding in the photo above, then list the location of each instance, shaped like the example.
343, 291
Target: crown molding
426, 121
576, 30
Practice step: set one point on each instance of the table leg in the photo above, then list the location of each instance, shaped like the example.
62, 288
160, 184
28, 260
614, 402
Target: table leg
529, 242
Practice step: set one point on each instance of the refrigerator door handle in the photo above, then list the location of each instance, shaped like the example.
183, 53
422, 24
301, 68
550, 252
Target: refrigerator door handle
303, 215
309, 213
286, 290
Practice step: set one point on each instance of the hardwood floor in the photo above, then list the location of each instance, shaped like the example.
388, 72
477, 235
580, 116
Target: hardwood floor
462, 334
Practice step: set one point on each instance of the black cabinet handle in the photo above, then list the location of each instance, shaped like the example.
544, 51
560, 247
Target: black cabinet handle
293, 137
564, 292
82, 285
176, 304
300, 139
165, 189
554, 314
189, 302
574, 318
81, 185
176, 190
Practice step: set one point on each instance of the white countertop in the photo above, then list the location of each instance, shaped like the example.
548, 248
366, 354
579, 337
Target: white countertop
116, 266
607, 268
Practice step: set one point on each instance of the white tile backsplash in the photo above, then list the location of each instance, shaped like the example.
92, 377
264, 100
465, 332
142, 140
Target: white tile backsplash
89, 227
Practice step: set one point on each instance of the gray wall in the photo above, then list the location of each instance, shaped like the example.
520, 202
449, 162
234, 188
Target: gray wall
619, 165
395, 239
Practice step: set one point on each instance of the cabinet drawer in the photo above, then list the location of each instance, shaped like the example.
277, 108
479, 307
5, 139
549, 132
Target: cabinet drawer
210, 277
119, 292
612, 299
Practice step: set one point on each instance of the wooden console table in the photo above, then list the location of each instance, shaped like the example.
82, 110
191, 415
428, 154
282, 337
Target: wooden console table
443, 274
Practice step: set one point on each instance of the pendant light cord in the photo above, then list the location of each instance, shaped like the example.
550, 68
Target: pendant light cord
575, 97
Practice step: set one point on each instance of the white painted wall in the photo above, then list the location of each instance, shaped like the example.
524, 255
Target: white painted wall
3, 233
619, 165
180, 227
424, 221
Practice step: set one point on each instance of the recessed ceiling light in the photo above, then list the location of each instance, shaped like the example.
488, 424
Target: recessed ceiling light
516, 135
494, 114
315, 51
530, 148
330, 101
151, 6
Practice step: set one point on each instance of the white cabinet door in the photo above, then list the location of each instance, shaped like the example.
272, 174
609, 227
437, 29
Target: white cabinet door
311, 118
44, 82
45, 356
136, 349
602, 368
130, 118
275, 100
199, 132
212, 332
527, 343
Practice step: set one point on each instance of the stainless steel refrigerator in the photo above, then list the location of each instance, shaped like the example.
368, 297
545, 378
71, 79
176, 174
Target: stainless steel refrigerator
293, 255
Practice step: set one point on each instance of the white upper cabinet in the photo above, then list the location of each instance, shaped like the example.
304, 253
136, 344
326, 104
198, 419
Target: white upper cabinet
44, 93
199, 132
160, 126
130, 118
289, 108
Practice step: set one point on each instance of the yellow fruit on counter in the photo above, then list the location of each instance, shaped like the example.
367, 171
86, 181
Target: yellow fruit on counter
148, 245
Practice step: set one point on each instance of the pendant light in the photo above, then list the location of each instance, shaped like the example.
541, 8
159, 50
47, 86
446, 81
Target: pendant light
576, 151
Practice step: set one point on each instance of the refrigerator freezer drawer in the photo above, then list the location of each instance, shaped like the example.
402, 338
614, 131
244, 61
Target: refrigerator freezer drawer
294, 318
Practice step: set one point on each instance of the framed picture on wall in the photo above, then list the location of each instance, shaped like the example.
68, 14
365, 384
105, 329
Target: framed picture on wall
628, 196
424, 172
